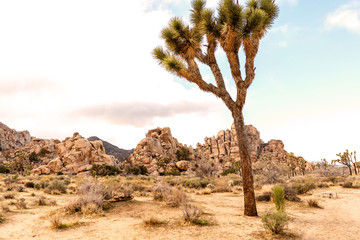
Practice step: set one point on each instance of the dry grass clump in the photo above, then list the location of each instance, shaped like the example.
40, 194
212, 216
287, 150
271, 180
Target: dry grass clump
221, 185
173, 196
5, 208
313, 203
205, 191
20, 203
86, 204
153, 221
276, 222
43, 201
56, 187
19, 188
192, 213
2, 218
57, 223
9, 196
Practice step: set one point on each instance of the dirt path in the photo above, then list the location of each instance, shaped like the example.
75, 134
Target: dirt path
340, 219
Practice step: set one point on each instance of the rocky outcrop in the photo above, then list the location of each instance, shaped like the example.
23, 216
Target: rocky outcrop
110, 149
12, 139
218, 152
76, 154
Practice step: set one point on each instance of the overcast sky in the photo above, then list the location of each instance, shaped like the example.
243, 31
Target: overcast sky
85, 66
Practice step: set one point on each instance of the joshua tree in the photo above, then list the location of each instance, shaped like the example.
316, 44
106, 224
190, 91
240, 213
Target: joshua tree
232, 28
346, 158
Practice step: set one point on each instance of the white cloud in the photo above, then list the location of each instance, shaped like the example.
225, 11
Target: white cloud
347, 16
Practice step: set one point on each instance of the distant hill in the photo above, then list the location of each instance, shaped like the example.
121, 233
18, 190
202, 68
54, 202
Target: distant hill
118, 153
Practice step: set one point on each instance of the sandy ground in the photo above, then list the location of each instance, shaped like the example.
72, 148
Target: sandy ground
339, 219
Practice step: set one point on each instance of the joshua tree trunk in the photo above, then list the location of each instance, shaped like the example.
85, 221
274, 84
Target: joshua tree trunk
349, 166
248, 181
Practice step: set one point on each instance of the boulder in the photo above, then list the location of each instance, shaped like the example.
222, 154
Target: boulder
185, 165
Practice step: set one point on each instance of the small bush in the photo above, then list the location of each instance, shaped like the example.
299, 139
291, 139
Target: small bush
313, 203
5, 208
9, 196
43, 152
347, 185
20, 203
176, 198
191, 213
2, 218
41, 201
196, 182
29, 185
138, 170
302, 188
152, 221
275, 221
182, 154
322, 185
279, 197
290, 194
56, 187
104, 170
173, 172
265, 197
33, 157
4, 169
163, 162
19, 188
228, 171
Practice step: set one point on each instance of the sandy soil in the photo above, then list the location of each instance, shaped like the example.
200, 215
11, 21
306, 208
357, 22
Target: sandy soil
339, 219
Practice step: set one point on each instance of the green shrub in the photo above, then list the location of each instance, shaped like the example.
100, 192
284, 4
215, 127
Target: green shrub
44, 151
279, 197
302, 188
59, 173
4, 169
56, 187
228, 171
195, 182
138, 170
163, 162
2, 218
33, 157
29, 185
183, 154
275, 221
173, 172
104, 170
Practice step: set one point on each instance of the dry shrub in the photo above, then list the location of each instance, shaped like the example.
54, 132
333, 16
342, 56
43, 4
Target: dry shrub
176, 198
56, 221
19, 188
91, 201
152, 221
205, 191
160, 191
265, 197
2, 218
20, 203
290, 194
221, 185
91, 208
275, 221
191, 213
5, 208
41, 201
9, 196
56, 187
313, 203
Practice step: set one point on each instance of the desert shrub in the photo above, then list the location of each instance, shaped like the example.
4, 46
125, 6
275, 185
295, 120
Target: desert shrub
104, 170
41, 201
279, 197
205, 191
138, 170
173, 172
221, 185
302, 188
332, 179
205, 168
41, 185
195, 182
33, 157
265, 197
163, 162
5, 208
92, 201
347, 184
275, 221
322, 185
235, 182
160, 191
9, 196
20, 203
152, 221
59, 173
19, 188
182, 154
29, 185
43, 152
228, 171
20, 164
176, 198
4, 169
57, 223
2, 218
56, 187
138, 187
313, 203
90, 186
191, 213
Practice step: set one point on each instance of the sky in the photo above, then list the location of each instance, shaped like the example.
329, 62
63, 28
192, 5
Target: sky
86, 66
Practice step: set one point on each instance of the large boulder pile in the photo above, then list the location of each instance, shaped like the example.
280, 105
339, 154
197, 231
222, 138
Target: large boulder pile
74, 155
11, 139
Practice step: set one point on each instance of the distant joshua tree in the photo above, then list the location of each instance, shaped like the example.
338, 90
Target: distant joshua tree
232, 28
348, 159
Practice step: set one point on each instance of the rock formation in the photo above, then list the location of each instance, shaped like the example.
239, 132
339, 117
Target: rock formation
11, 139
74, 155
